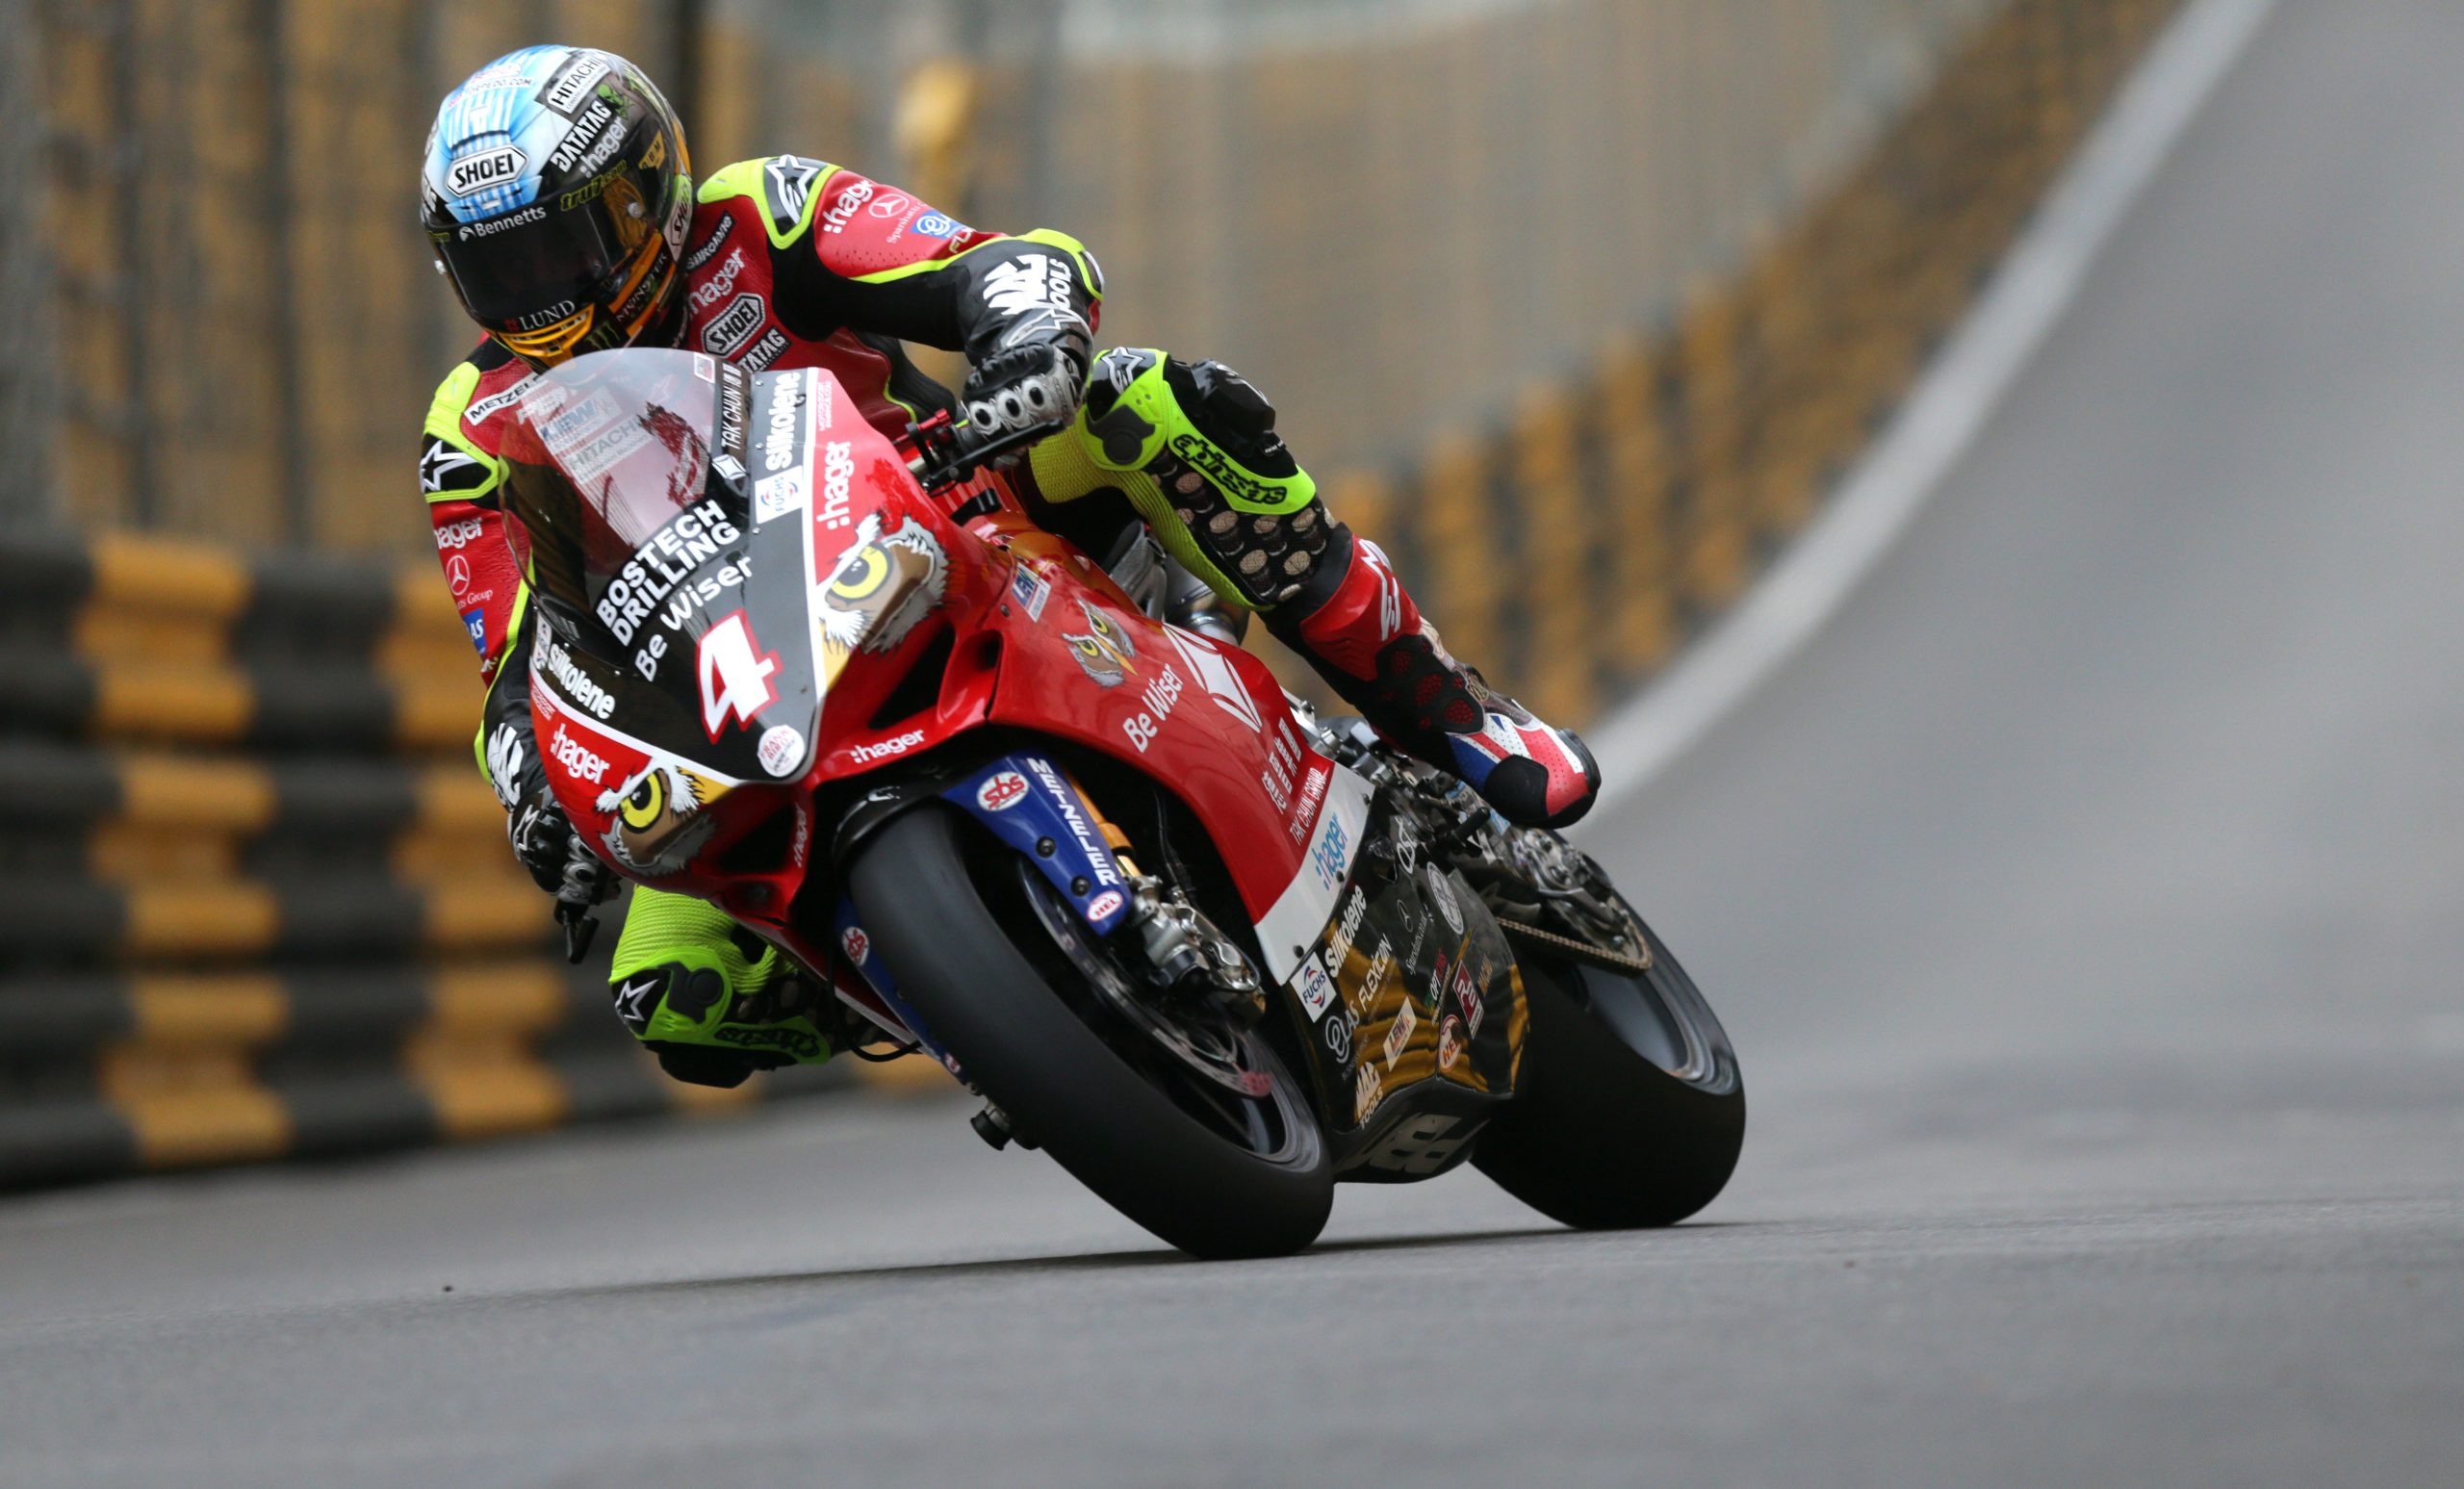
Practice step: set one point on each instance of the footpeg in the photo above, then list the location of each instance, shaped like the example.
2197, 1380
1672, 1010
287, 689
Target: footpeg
993, 1126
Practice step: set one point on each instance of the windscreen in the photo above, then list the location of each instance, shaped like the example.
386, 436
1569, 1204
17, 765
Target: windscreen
627, 470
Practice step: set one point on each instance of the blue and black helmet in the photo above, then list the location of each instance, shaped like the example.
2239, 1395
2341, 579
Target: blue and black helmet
557, 197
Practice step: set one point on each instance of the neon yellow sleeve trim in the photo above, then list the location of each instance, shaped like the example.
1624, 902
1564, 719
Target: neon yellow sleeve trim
445, 423
744, 179
1045, 236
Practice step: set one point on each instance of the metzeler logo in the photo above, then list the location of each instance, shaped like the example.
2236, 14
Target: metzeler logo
471, 176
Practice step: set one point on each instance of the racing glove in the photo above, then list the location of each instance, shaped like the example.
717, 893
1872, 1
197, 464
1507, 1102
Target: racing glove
542, 840
1035, 385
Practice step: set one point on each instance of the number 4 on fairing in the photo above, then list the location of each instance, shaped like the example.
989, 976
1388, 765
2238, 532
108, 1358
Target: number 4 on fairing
734, 675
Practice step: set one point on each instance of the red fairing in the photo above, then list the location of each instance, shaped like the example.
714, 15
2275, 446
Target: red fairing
1040, 641
1209, 722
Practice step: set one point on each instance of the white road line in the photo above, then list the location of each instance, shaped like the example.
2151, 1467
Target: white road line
1944, 414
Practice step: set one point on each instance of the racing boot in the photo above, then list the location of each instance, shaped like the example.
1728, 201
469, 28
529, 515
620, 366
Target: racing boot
1194, 449
712, 1000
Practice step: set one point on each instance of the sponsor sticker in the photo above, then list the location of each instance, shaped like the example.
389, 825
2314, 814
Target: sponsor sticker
473, 174
1467, 992
1001, 790
1450, 1042
576, 758
1367, 1090
1316, 988
1104, 905
782, 749
1337, 1033
864, 753
566, 90
775, 496
690, 538
476, 622
1029, 590
455, 535
772, 345
933, 225
1347, 926
856, 944
1441, 892
1400, 1035
732, 327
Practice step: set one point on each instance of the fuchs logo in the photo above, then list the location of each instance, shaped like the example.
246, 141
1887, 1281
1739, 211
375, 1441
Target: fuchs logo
735, 326
470, 176
1316, 988
1001, 790
856, 944
494, 225
566, 90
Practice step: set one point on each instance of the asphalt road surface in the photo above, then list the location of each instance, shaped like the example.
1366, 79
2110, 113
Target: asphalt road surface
2086, 903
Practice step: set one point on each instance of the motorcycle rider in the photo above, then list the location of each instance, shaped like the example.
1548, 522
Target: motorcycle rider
559, 203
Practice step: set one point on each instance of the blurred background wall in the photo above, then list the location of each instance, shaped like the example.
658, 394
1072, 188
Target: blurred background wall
1579, 306
1393, 213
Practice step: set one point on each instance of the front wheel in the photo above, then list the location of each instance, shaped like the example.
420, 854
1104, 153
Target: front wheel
1013, 992
1628, 1110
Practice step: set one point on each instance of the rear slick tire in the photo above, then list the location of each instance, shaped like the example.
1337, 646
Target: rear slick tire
1628, 1110
1036, 1057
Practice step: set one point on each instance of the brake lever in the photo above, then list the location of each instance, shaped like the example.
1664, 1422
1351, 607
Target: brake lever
579, 926
945, 455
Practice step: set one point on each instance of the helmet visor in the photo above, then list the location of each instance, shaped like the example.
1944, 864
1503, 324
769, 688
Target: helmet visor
531, 268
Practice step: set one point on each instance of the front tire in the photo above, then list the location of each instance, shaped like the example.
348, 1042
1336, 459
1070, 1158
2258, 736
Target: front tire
1628, 1110
942, 920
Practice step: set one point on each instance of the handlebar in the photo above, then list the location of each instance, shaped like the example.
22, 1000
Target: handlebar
947, 452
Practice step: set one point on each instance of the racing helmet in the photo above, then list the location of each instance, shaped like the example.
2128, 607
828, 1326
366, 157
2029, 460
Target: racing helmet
556, 197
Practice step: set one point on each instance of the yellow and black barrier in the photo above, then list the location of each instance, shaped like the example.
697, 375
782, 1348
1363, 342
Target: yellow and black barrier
254, 900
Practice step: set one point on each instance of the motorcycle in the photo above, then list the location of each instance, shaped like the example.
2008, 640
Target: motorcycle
1211, 953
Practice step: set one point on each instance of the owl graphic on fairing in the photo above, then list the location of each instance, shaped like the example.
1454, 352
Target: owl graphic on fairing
659, 824
1103, 648
879, 591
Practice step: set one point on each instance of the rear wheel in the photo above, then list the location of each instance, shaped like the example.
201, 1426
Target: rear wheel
1628, 1110
1191, 1126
